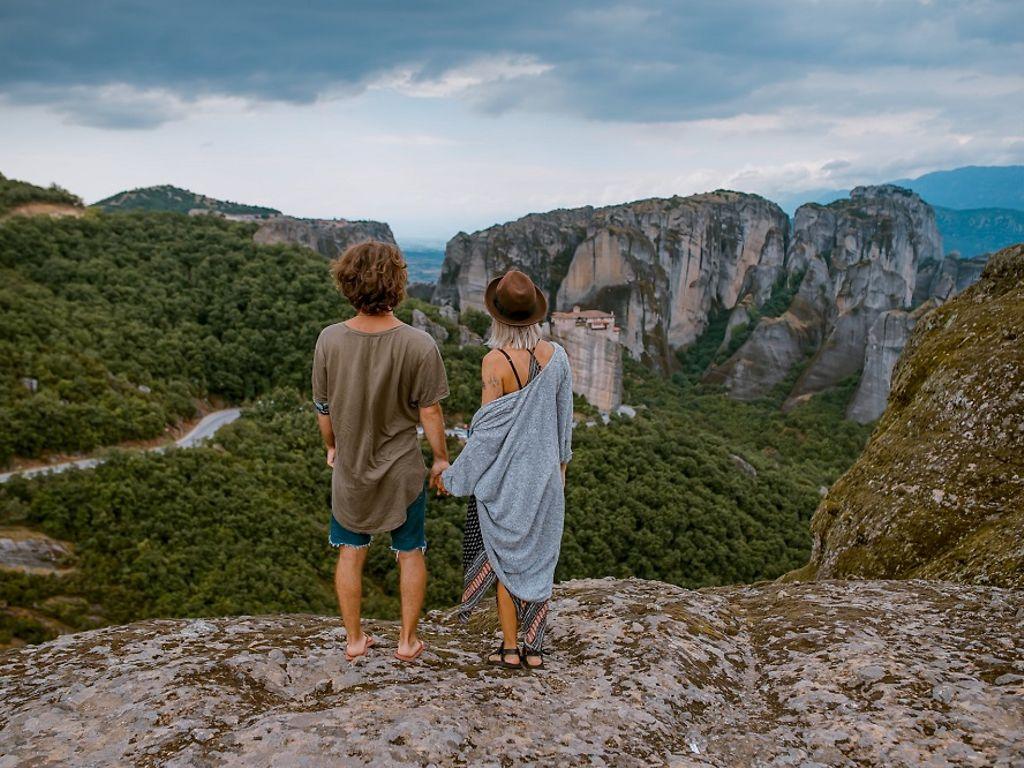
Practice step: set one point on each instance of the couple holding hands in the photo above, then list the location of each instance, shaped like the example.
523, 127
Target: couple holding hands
374, 380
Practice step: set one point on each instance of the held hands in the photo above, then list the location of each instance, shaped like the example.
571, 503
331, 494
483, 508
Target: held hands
440, 465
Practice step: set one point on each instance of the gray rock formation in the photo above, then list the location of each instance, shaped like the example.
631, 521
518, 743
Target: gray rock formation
873, 244
779, 343
640, 673
942, 280
421, 291
860, 258
424, 323
739, 318
663, 265
28, 551
939, 490
329, 237
886, 339
660, 264
468, 338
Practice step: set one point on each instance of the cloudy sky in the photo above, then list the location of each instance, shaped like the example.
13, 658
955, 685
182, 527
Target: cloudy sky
439, 116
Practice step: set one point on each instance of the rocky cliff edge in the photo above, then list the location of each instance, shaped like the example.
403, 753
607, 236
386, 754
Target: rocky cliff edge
640, 673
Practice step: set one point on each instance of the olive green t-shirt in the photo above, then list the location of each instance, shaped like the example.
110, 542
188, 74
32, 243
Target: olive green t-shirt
372, 385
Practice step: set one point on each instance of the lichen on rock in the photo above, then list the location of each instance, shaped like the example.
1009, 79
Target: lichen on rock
939, 490
639, 674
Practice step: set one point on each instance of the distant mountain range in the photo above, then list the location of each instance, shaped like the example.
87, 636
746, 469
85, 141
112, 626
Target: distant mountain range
979, 209
170, 198
980, 230
970, 187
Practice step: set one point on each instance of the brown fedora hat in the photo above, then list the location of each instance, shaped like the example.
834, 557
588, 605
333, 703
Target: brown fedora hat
513, 299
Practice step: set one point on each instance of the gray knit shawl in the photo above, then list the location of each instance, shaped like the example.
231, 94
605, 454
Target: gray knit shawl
511, 464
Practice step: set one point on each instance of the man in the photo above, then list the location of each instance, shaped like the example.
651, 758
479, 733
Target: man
374, 379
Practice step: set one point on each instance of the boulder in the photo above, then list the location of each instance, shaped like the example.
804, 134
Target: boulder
468, 338
639, 673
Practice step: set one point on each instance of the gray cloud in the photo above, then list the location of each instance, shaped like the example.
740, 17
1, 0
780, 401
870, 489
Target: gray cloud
644, 62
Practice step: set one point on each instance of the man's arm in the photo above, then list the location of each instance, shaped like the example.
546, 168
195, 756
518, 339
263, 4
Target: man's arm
432, 419
327, 433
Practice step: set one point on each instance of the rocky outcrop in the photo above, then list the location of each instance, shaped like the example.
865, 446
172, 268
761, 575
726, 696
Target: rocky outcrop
942, 280
27, 551
660, 265
424, 323
329, 237
777, 344
939, 490
639, 674
859, 259
421, 291
886, 339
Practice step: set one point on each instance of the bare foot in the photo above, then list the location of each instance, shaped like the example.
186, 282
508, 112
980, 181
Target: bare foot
358, 647
409, 649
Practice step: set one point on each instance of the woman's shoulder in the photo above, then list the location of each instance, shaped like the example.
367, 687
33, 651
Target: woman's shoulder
545, 351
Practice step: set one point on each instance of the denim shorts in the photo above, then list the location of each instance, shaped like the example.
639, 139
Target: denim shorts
407, 537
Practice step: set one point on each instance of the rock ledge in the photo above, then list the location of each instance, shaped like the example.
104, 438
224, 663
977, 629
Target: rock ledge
641, 673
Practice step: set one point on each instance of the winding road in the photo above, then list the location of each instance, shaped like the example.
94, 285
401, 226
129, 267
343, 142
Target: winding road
206, 427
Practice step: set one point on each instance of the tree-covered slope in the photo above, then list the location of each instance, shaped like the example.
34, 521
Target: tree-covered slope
14, 194
176, 200
113, 325
697, 490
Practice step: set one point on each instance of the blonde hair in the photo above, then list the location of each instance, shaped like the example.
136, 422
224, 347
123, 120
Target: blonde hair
513, 336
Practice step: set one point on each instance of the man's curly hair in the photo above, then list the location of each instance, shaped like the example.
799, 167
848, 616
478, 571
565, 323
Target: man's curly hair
372, 276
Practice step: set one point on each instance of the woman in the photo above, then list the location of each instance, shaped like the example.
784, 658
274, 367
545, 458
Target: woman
513, 469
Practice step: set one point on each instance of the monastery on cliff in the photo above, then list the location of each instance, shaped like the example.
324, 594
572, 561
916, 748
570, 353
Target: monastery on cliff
591, 339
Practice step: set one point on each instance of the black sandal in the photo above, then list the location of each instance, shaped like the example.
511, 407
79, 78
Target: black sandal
503, 652
527, 653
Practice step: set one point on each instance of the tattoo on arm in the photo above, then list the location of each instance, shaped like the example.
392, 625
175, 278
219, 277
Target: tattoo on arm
491, 389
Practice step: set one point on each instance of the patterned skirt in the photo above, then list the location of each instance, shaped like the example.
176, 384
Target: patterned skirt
478, 576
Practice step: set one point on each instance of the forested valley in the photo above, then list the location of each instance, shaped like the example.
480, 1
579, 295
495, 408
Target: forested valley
127, 321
